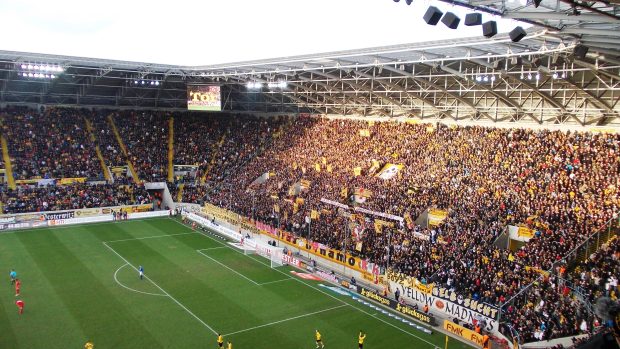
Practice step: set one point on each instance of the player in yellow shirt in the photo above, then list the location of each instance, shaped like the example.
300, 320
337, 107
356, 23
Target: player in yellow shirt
229, 345
220, 340
89, 345
319, 341
360, 339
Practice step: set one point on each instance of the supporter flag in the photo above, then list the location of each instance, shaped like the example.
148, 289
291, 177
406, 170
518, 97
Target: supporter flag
295, 207
365, 133
329, 168
361, 195
305, 184
374, 167
409, 220
389, 171
314, 214
371, 123
357, 171
276, 208
317, 167
378, 226
323, 160
300, 201
295, 165
344, 193
359, 246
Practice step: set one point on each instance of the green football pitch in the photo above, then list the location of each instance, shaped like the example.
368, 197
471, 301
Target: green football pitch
81, 283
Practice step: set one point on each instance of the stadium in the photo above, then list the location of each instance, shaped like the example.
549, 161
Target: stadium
458, 190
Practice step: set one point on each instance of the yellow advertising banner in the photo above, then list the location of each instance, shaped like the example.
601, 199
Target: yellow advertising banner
465, 333
69, 181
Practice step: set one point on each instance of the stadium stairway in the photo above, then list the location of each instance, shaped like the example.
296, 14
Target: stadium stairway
91, 135
121, 144
171, 150
8, 167
203, 179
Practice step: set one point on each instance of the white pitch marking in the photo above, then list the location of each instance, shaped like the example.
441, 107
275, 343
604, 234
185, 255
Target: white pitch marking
229, 268
164, 291
289, 319
325, 293
131, 289
149, 237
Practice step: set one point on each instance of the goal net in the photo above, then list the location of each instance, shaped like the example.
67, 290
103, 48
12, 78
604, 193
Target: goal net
277, 257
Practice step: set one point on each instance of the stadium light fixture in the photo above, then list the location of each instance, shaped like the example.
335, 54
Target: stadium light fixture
408, 2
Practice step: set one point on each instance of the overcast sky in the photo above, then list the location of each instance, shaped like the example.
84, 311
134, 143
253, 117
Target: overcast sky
217, 31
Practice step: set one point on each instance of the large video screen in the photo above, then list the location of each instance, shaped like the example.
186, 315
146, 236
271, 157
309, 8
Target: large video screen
203, 97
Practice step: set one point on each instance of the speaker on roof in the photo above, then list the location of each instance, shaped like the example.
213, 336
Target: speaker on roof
489, 29
473, 19
580, 51
432, 15
451, 20
517, 34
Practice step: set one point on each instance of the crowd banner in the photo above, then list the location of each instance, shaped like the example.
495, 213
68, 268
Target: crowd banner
401, 308
334, 203
462, 332
380, 214
69, 181
443, 301
389, 171
436, 216
223, 214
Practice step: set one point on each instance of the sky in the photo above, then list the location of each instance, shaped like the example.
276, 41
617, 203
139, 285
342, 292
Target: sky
203, 32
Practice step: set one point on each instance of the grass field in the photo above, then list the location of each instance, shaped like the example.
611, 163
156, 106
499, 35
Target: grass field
80, 282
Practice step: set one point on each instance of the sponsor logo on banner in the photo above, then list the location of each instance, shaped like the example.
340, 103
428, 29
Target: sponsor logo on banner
10, 219
59, 215
306, 276
401, 308
463, 332
54, 222
290, 260
327, 276
68, 181
443, 300
29, 217
88, 212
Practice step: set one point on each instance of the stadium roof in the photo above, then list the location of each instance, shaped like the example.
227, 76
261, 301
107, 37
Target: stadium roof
537, 80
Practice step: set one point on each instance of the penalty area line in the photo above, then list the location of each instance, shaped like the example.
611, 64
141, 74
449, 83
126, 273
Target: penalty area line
162, 290
285, 320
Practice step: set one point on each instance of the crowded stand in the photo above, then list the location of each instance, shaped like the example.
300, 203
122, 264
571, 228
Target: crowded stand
280, 171
145, 135
562, 184
50, 144
66, 197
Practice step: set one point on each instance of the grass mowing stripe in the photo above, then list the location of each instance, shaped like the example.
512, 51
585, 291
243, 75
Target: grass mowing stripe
161, 289
285, 320
312, 286
231, 269
129, 288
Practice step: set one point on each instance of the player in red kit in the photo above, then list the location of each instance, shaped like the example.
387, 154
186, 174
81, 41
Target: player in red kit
18, 284
20, 305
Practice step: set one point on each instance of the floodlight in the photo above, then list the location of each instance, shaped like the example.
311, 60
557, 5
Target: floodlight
53, 76
24, 66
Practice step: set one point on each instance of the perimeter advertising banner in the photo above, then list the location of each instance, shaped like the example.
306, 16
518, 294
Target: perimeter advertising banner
205, 98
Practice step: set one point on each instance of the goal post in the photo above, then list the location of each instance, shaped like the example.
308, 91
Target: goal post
276, 257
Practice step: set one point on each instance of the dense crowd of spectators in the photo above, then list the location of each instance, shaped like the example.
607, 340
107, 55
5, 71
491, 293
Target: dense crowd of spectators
66, 197
563, 184
50, 144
